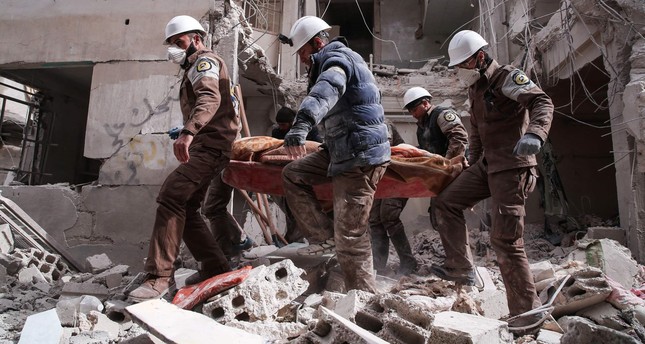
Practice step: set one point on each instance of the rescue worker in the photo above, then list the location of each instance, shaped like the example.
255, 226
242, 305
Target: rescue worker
343, 97
284, 121
510, 118
386, 225
439, 129
203, 149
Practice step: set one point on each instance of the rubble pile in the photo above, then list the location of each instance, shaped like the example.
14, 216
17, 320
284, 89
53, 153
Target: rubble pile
592, 293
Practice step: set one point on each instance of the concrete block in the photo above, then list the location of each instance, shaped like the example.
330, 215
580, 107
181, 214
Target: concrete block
548, 337
587, 332
542, 270
608, 255
98, 263
585, 288
415, 311
492, 303
31, 275
50, 265
120, 269
332, 328
604, 314
614, 233
271, 330
317, 267
90, 337
454, 327
73, 289
396, 330
261, 295
6, 239
42, 328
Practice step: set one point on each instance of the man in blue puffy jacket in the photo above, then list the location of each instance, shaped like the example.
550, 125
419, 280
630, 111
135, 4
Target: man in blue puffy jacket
344, 99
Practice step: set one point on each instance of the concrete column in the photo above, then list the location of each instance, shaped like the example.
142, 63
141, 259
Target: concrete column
288, 59
629, 181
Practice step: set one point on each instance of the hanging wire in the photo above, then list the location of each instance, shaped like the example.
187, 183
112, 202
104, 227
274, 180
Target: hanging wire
373, 35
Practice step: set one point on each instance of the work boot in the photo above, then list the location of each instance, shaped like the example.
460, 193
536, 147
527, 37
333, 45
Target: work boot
408, 264
461, 276
154, 287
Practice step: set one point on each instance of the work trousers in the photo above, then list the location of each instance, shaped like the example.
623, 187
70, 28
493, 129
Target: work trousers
386, 226
508, 191
178, 216
353, 193
223, 225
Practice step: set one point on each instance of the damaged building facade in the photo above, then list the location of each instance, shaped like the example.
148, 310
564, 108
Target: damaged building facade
101, 97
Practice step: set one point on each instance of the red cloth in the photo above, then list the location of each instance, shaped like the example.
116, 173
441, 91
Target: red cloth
192, 295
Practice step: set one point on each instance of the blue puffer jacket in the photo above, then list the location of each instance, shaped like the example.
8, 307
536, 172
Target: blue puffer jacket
349, 109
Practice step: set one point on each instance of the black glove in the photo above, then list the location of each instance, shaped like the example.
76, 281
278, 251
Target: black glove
529, 144
298, 133
174, 132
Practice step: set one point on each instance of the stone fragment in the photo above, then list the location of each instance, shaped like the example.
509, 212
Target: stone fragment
585, 288
30, 275
73, 289
604, 314
454, 327
587, 332
492, 303
542, 270
610, 257
98, 263
6, 239
103, 323
614, 233
548, 337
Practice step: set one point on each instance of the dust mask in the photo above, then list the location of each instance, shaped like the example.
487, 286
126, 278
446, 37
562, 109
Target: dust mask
176, 55
468, 77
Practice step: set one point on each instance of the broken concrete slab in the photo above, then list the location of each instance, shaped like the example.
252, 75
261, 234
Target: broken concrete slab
103, 323
455, 327
31, 275
97, 263
585, 288
175, 325
73, 289
587, 332
261, 295
604, 314
542, 270
316, 266
608, 255
6, 239
332, 328
548, 337
271, 330
42, 328
492, 303
68, 309
352, 303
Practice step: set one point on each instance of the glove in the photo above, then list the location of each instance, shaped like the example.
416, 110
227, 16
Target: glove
529, 144
174, 132
298, 133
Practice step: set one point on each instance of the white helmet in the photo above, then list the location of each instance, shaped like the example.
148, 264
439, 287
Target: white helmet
181, 24
305, 29
413, 94
463, 45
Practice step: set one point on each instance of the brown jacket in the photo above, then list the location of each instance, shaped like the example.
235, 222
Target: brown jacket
205, 99
505, 104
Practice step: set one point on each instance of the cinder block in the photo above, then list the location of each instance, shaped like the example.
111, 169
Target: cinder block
332, 328
50, 265
355, 300
455, 327
261, 295
585, 288
399, 331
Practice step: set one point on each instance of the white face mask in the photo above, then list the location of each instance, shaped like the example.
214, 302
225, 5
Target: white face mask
468, 77
176, 54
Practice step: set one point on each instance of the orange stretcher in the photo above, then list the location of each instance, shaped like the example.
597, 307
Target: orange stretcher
257, 162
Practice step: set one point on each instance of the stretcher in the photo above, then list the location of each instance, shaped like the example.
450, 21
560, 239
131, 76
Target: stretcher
257, 162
